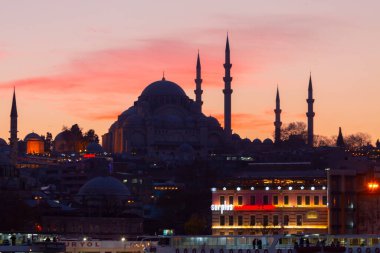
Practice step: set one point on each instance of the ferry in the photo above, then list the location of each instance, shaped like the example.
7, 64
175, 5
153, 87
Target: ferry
198, 244
267, 244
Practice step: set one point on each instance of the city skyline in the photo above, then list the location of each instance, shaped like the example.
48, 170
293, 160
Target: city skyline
104, 61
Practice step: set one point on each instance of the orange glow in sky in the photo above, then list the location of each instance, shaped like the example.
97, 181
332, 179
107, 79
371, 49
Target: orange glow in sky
86, 62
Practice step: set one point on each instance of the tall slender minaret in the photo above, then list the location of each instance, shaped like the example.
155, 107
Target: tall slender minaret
310, 115
277, 123
198, 89
13, 131
227, 90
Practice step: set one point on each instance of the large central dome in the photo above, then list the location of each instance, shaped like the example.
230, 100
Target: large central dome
163, 88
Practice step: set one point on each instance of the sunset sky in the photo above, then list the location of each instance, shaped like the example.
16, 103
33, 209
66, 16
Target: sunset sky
86, 62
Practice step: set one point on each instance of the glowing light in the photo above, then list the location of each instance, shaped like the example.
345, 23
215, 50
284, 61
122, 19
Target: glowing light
84, 239
279, 187
323, 187
372, 186
252, 188
267, 188
312, 188
123, 239
302, 187
238, 188
213, 189
224, 188
290, 188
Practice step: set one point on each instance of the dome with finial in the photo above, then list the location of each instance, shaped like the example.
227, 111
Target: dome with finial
163, 88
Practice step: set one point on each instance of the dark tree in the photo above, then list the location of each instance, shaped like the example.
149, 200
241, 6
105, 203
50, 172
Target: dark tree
357, 140
294, 129
91, 136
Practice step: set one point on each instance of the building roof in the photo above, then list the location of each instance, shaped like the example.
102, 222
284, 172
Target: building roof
163, 88
32, 136
104, 186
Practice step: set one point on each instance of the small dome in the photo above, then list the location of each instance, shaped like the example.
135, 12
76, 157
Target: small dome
3, 143
104, 186
256, 141
267, 141
236, 137
63, 136
246, 140
213, 122
32, 136
163, 88
94, 148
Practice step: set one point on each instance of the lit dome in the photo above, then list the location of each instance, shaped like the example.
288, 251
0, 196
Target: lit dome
104, 186
32, 136
163, 88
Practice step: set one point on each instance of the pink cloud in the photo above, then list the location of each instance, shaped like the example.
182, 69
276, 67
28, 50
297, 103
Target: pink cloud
242, 121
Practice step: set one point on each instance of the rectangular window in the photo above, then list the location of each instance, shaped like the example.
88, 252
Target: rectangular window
253, 200
286, 220
240, 220
231, 200
252, 221
275, 200
275, 220
299, 220
231, 220
307, 200
222, 200
240, 200
324, 200
265, 200
286, 200
299, 200
222, 220
316, 200
265, 220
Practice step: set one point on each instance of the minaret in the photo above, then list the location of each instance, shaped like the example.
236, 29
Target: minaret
277, 123
198, 89
13, 131
310, 115
339, 140
227, 90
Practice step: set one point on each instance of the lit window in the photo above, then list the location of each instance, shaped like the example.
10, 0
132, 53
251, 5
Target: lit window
316, 200
240, 200
299, 200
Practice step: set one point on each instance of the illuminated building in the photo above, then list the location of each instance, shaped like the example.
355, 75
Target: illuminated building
269, 210
34, 144
354, 201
